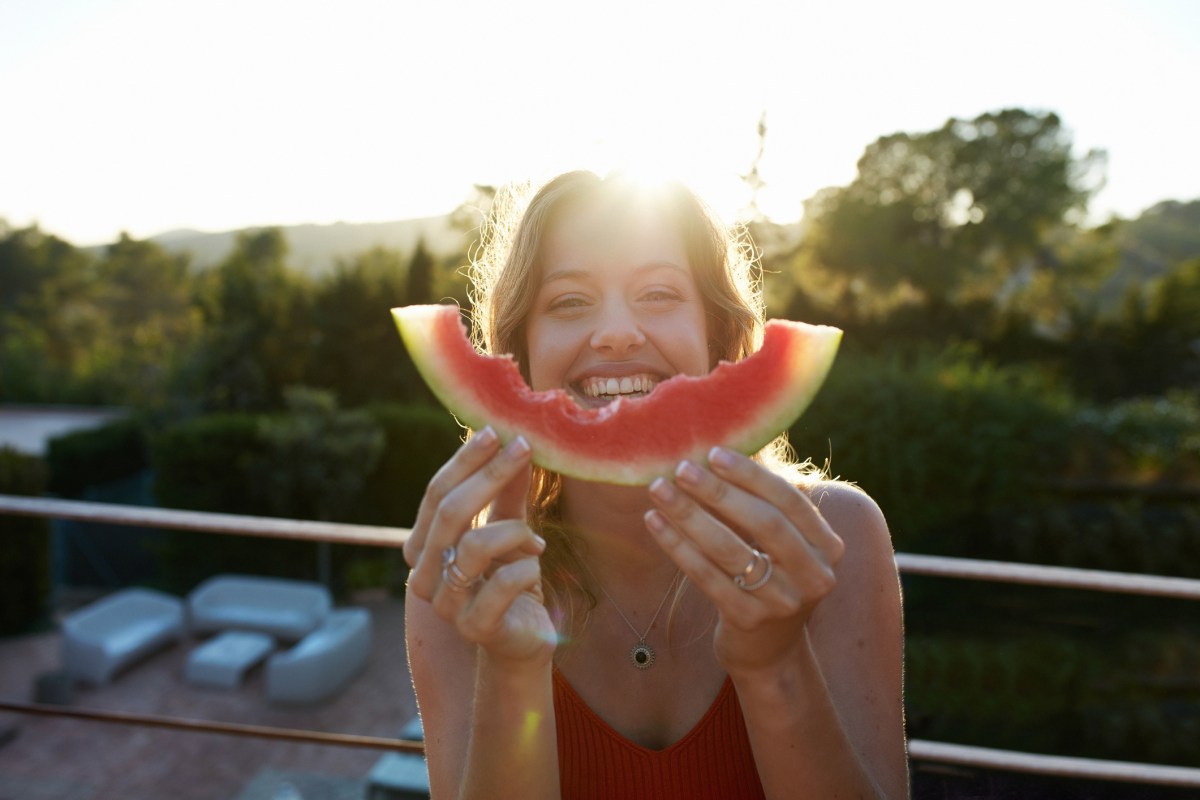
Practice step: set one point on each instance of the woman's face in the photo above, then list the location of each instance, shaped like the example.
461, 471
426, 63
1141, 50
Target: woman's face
617, 310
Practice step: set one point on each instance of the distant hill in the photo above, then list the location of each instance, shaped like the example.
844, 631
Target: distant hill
315, 249
1158, 239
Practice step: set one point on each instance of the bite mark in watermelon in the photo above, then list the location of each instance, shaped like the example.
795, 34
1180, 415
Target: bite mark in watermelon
741, 405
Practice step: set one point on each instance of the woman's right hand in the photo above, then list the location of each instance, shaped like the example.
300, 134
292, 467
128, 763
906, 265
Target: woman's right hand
503, 610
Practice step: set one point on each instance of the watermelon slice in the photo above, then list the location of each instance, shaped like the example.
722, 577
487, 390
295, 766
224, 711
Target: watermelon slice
631, 441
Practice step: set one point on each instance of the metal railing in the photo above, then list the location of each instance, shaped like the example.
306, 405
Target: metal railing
919, 749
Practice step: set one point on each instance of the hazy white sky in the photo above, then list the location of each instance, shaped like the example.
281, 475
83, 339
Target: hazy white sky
146, 115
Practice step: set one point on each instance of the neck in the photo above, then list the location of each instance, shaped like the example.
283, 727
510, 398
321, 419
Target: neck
609, 522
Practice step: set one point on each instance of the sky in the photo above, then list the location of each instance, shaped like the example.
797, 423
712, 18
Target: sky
146, 116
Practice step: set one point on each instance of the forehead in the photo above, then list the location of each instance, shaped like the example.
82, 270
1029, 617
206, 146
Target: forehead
600, 233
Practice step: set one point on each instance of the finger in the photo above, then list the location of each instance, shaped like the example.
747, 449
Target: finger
707, 576
470, 457
794, 504
513, 499
482, 619
457, 510
725, 548
505, 541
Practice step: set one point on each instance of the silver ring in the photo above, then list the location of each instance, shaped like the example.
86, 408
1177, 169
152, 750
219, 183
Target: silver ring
452, 574
740, 580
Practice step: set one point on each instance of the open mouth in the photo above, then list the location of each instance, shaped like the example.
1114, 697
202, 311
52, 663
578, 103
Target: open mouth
600, 390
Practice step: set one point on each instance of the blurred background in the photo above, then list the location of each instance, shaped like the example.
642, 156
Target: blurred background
206, 210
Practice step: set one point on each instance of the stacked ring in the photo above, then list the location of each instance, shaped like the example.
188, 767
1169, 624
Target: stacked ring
453, 576
741, 580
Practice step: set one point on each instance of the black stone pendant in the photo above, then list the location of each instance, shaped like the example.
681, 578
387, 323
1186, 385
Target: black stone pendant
642, 655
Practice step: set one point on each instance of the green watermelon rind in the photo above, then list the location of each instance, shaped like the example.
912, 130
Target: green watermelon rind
808, 357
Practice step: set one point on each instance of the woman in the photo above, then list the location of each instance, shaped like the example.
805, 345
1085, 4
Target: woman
734, 631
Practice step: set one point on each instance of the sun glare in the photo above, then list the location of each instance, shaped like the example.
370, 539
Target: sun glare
724, 192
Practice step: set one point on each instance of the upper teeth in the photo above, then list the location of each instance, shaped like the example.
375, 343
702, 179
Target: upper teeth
630, 384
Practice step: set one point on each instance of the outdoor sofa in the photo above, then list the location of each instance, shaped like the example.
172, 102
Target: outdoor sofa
281, 608
324, 661
112, 633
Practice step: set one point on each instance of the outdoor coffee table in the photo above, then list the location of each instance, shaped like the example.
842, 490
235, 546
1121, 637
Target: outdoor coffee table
223, 660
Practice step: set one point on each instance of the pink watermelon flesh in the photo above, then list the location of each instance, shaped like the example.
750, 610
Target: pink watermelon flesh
741, 405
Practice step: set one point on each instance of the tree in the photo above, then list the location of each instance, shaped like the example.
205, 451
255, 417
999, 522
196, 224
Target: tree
356, 351
147, 295
419, 288
961, 208
49, 319
257, 329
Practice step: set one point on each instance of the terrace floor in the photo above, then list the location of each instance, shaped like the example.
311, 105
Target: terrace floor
65, 759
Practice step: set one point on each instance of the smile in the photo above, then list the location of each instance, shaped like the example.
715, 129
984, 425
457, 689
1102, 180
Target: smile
625, 386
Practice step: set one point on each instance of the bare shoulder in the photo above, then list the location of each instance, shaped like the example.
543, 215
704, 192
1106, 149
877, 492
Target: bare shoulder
867, 588
852, 513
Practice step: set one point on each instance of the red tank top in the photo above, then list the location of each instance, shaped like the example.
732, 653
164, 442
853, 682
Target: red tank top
595, 762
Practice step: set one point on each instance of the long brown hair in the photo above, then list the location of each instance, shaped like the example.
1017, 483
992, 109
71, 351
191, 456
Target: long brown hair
505, 276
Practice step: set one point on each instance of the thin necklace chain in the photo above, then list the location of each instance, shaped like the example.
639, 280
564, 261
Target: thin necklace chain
641, 636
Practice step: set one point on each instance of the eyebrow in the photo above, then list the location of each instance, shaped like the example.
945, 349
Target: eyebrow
581, 274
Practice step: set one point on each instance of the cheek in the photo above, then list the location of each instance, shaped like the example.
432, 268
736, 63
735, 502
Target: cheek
546, 359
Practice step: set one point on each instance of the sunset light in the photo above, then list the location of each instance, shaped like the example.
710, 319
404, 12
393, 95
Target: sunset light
150, 116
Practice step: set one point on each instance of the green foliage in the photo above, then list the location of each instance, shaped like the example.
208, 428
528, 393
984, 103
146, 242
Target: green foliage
354, 348
201, 464
959, 208
95, 456
316, 458
936, 438
1144, 438
1013, 694
24, 548
255, 335
46, 311
419, 440
78, 329
1132, 699
146, 296
205, 464
419, 287
314, 462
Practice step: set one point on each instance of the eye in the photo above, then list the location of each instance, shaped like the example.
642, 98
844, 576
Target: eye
567, 302
661, 295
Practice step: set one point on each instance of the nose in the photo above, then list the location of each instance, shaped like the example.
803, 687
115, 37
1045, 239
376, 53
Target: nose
617, 332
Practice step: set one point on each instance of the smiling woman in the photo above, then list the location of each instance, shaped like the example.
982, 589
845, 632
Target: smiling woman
576, 639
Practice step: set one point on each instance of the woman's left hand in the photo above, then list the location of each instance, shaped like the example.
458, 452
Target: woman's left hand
736, 519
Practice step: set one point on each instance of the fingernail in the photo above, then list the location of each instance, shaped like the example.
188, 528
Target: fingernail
654, 521
688, 472
663, 490
540, 541
487, 436
517, 448
720, 457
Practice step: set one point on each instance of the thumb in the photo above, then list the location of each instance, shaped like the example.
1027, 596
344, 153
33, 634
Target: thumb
511, 501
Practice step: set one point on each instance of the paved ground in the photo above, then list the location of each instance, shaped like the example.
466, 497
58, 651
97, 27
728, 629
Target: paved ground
61, 759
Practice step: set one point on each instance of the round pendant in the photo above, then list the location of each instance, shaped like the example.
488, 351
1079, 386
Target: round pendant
642, 655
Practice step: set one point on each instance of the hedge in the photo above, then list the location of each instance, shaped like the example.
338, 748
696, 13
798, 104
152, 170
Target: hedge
24, 548
95, 456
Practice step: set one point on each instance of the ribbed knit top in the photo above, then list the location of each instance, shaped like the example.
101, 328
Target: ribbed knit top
595, 762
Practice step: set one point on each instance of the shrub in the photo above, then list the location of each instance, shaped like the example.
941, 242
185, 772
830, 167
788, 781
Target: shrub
24, 548
937, 438
313, 462
419, 440
1144, 438
100, 455
202, 464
